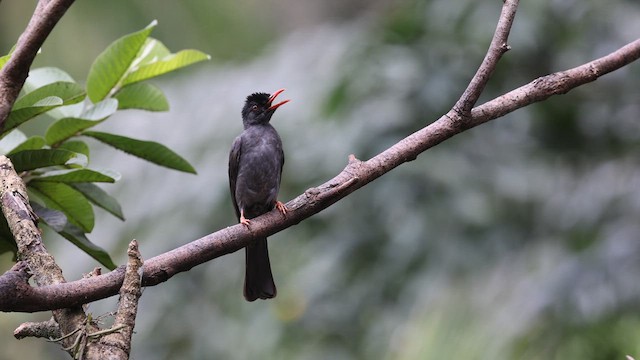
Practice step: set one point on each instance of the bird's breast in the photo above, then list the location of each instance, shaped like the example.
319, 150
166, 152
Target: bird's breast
259, 169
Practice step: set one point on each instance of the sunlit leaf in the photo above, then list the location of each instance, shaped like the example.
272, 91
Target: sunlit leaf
148, 150
167, 64
64, 198
151, 51
111, 65
46, 75
43, 76
100, 198
101, 110
68, 92
5, 58
142, 96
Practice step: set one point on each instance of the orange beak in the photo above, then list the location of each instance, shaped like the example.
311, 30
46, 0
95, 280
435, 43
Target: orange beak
273, 97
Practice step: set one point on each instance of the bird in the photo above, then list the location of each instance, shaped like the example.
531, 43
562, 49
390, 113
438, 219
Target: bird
255, 169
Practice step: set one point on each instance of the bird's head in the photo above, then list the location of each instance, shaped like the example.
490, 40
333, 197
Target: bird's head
259, 107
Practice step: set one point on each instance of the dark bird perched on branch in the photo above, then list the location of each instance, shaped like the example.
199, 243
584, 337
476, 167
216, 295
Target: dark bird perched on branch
255, 168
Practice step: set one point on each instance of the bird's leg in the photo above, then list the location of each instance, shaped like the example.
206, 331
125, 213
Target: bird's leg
243, 220
281, 207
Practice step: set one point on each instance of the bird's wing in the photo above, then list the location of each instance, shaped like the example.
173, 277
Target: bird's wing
281, 155
234, 162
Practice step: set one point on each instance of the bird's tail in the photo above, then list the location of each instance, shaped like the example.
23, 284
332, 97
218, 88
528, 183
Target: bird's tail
258, 280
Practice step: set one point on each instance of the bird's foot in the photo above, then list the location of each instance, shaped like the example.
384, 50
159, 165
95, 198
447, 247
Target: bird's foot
281, 207
244, 221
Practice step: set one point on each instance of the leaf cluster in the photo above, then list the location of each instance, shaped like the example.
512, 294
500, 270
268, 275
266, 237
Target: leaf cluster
55, 165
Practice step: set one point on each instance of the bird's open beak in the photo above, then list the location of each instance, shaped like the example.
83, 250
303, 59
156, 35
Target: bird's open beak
273, 97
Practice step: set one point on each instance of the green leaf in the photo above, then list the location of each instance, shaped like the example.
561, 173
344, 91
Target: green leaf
77, 237
112, 64
66, 128
20, 116
167, 64
34, 159
4, 59
78, 175
42, 99
148, 150
57, 221
11, 140
141, 96
32, 143
68, 92
62, 197
54, 218
43, 76
100, 198
77, 146
101, 110
151, 51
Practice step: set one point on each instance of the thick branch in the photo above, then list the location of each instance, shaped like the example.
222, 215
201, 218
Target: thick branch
16, 70
35, 260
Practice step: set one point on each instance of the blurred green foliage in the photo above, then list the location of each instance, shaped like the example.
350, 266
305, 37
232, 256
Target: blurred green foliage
514, 240
55, 166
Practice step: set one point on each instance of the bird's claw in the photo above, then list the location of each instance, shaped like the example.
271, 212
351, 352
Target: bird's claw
281, 207
244, 221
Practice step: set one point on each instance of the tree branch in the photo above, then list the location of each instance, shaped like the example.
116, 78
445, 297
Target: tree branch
46, 329
128, 305
355, 175
16, 70
497, 48
555, 84
35, 260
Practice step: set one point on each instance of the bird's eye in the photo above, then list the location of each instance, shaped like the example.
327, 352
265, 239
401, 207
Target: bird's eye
254, 108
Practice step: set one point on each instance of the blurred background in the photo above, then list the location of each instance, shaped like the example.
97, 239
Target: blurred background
519, 239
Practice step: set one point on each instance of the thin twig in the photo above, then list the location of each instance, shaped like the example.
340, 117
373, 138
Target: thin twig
555, 84
130, 293
497, 48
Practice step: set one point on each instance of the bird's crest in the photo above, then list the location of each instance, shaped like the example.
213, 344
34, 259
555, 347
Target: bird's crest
258, 98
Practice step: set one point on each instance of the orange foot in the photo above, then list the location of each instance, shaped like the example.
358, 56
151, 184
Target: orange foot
244, 221
281, 207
